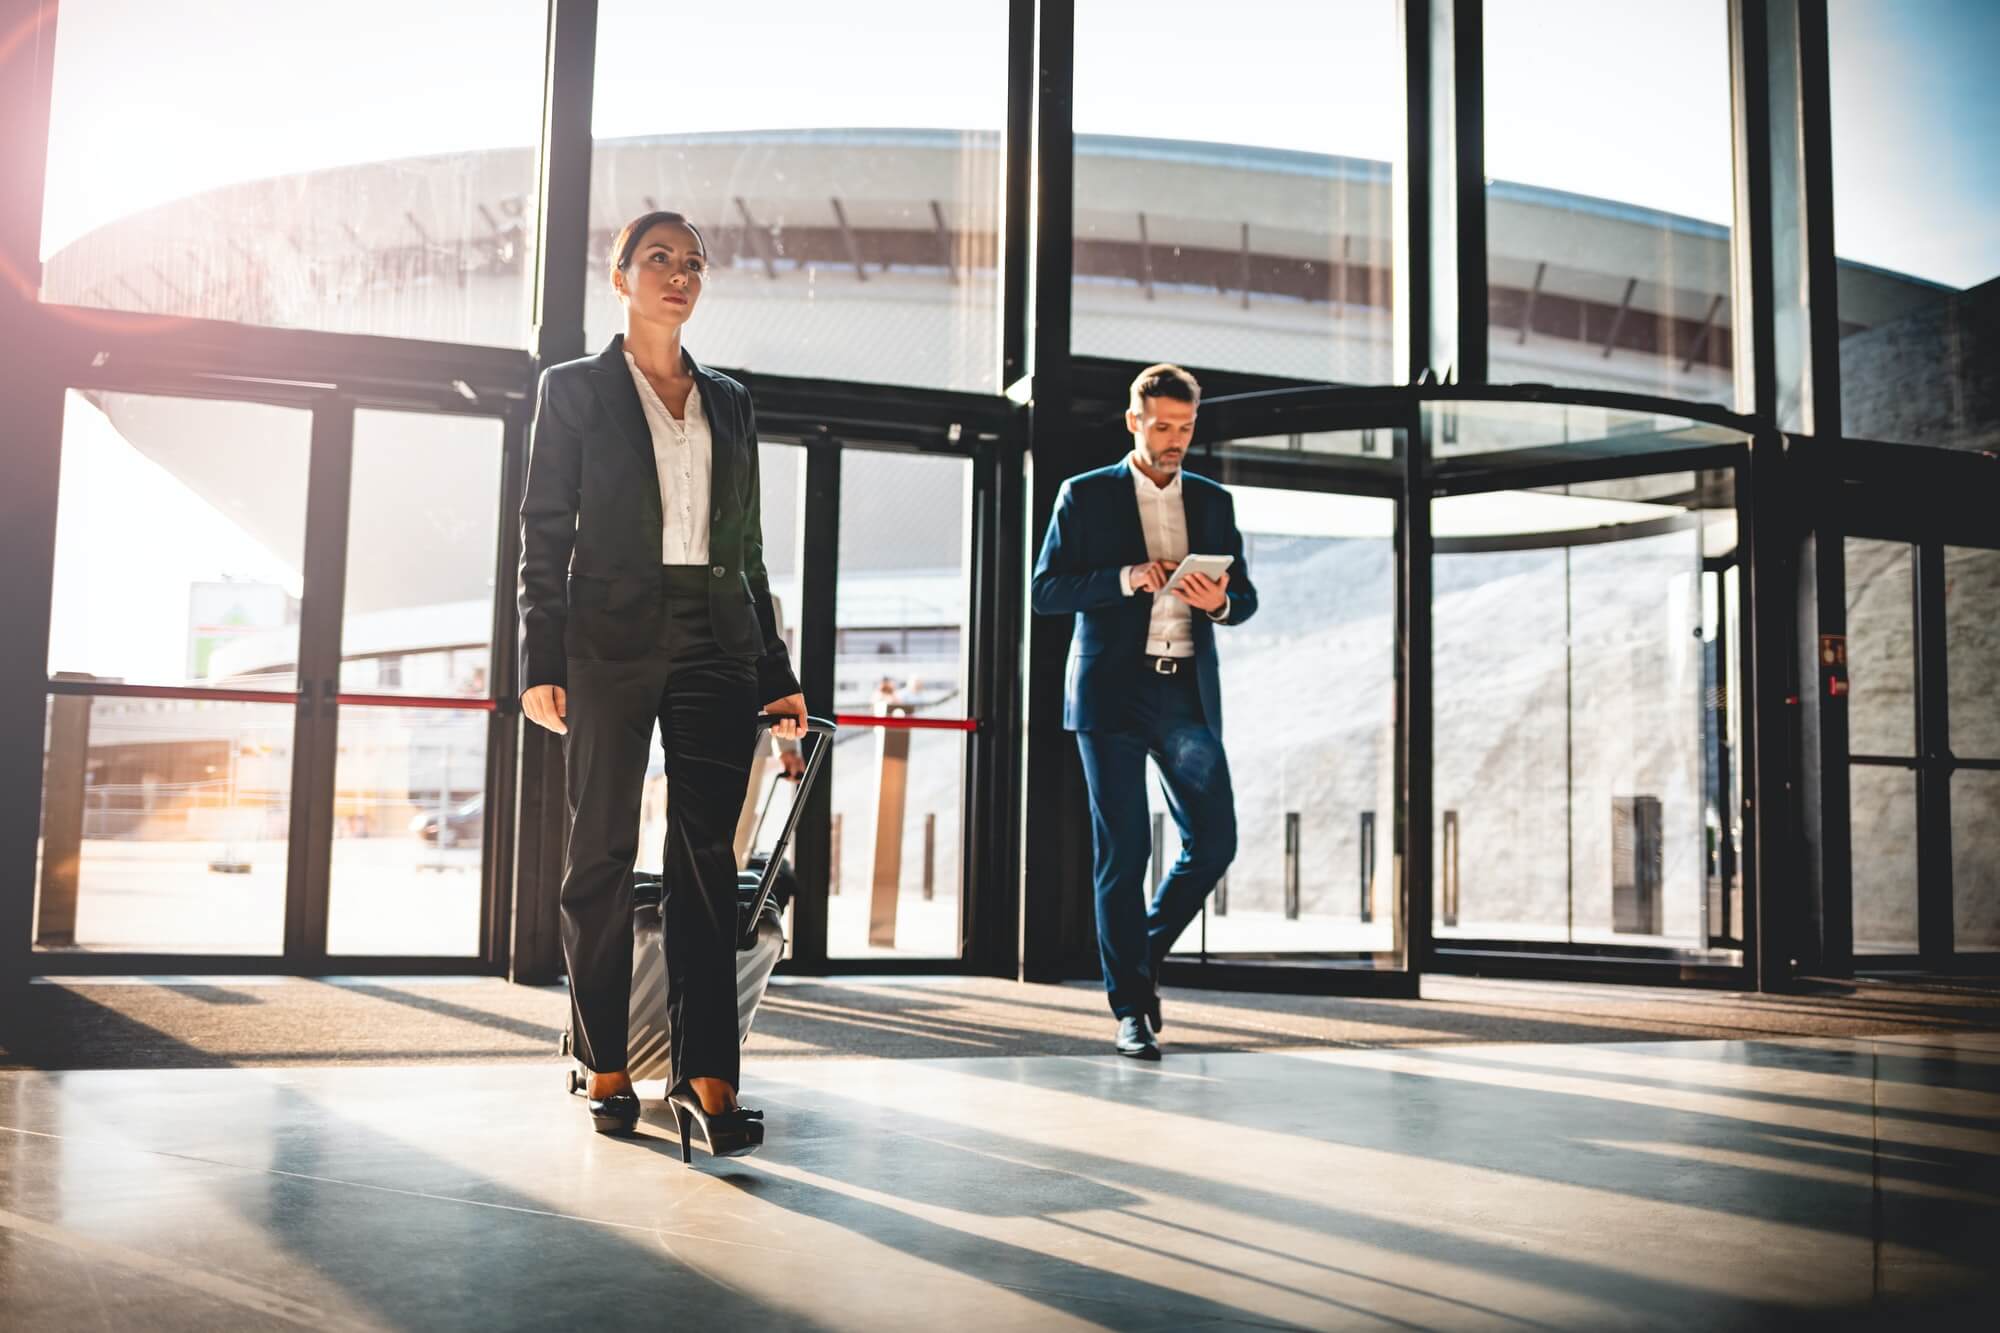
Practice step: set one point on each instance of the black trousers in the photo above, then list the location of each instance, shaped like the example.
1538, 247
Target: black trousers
704, 700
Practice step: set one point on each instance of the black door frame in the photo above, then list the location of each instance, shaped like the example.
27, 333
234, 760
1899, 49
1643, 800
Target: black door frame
814, 419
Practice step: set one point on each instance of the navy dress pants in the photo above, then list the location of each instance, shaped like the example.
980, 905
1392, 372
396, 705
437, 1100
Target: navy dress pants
1164, 720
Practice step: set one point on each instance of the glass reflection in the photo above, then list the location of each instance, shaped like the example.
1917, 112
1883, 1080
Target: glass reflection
1582, 764
165, 826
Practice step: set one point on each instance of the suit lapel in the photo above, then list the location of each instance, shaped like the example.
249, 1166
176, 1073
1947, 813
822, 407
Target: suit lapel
1194, 507
723, 444
612, 379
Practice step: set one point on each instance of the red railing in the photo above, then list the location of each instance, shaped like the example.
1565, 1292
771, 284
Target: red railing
901, 723
225, 694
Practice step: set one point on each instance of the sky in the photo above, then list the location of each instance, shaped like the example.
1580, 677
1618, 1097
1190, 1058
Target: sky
1622, 99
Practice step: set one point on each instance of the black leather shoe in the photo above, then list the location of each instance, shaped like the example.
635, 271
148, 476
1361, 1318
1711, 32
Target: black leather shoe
616, 1114
733, 1133
1135, 1039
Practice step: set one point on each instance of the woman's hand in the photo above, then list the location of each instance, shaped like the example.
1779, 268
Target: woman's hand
792, 709
547, 706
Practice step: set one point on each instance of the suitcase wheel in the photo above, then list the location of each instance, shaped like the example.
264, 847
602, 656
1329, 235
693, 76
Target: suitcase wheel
575, 1082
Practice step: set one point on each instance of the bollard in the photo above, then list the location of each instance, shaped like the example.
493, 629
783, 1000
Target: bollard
1367, 866
930, 857
1291, 865
833, 855
1449, 867
65, 796
892, 786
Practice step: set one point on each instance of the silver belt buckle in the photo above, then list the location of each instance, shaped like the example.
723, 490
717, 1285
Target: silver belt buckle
1165, 666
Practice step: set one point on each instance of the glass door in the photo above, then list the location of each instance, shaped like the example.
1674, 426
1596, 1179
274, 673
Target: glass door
169, 815
1924, 751
1310, 712
414, 720
271, 713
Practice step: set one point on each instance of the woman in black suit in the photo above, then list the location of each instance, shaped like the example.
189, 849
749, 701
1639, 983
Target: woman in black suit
644, 598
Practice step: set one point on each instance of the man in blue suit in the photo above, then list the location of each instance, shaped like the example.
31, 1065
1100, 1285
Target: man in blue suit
1142, 680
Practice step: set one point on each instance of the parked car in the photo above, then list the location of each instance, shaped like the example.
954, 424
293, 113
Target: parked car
464, 825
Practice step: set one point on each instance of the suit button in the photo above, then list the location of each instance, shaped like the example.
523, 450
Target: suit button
718, 571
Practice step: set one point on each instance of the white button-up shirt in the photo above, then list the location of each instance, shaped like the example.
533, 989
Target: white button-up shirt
681, 458
1164, 518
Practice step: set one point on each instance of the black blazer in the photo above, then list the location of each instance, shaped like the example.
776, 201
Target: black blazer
590, 526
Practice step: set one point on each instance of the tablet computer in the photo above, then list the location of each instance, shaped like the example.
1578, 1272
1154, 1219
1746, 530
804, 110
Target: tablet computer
1211, 565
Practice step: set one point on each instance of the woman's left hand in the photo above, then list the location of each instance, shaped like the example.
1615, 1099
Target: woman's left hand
792, 708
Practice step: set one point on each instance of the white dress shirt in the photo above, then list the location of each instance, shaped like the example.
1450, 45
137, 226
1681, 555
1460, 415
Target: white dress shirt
1164, 518
681, 458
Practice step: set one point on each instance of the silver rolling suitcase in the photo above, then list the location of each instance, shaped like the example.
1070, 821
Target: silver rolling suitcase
760, 937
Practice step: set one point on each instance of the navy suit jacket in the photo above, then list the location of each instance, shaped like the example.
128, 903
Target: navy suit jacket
1094, 535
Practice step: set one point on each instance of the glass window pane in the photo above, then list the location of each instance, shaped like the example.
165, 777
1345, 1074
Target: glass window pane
1635, 739
180, 541
1308, 691
838, 252
1882, 803
1467, 428
900, 650
1239, 218
423, 518
409, 821
1609, 195
165, 826
1574, 769
1378, 443
1915, 115
1881, 660
1972, 649
1500, 843
1975, 859
372, 170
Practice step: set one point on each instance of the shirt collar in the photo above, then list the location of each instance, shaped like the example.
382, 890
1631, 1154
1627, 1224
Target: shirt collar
1145, 483
646, 388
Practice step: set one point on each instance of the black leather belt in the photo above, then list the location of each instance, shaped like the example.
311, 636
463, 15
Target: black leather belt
1169, 666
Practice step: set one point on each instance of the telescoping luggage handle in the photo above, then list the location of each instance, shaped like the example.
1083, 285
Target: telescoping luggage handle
822, 730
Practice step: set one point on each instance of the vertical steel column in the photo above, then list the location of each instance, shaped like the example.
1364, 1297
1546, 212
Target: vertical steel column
1788, 375
1441, 260
1936, 929
315, 730
1411, 846
31, 416
990, 905
562, 236
1058, 936
819, 574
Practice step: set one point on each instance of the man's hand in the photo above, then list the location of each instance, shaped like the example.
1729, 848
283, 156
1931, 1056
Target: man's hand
1151, 576
792, 709
1204, 594
547, 706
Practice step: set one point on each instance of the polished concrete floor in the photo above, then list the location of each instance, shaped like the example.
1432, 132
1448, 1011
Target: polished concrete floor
1849, 1182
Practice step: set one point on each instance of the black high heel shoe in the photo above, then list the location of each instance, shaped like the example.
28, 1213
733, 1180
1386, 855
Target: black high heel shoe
733, 1133
616, 1114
